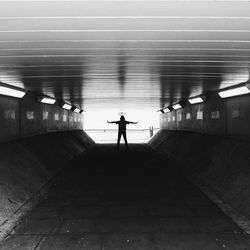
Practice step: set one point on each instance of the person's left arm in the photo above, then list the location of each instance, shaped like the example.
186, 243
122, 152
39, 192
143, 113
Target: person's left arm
132, 122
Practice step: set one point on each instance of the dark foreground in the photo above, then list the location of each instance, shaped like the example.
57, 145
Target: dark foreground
125, 200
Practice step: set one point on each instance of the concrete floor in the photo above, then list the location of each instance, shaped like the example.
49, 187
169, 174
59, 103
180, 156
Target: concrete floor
125, 200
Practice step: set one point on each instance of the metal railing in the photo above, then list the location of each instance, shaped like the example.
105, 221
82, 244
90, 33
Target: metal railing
110, 135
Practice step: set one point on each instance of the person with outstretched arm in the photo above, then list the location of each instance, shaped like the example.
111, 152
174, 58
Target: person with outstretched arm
122, 130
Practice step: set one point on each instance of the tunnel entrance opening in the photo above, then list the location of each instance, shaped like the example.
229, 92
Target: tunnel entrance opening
96, 126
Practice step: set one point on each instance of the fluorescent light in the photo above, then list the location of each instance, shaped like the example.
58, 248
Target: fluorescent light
47, 100
11, 92
234, 92
177, 106
66, 106
166, 110
77, 110
195, 100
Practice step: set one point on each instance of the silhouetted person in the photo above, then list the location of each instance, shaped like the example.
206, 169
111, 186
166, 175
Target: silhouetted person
122, 130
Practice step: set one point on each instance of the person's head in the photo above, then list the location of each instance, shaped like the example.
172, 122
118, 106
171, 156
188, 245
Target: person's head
122, 118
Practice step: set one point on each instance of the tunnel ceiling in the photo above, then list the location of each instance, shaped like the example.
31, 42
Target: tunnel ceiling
140, 54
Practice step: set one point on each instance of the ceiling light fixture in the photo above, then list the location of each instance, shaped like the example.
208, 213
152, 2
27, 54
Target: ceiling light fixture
77, 110
166, 110
47, 100
66, 106
12, 92
242, 90
195, 100
177, 106
161, 110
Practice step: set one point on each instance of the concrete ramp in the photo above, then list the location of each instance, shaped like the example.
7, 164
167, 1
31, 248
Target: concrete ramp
222, 164
27, 168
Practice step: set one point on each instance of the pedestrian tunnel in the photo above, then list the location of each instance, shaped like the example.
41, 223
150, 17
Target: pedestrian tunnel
179, 68
186, 187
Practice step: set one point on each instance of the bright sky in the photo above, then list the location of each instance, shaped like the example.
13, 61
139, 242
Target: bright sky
97, 119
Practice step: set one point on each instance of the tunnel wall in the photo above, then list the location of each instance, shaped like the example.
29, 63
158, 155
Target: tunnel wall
219, 162
226, 117
26, 117
28, 167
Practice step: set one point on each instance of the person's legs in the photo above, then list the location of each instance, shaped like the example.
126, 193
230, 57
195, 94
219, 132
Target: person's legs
118, 140
125, 139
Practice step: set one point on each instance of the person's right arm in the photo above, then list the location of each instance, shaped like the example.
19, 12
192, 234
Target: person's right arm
112, 122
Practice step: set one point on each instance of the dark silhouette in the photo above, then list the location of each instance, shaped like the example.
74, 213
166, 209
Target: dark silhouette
122, 130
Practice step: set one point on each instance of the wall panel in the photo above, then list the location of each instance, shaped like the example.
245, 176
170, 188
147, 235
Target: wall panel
218, 116
238, 116
26, 117
9, 118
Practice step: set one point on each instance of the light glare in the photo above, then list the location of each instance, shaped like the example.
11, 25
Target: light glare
234, 92
11, 92
195, 100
